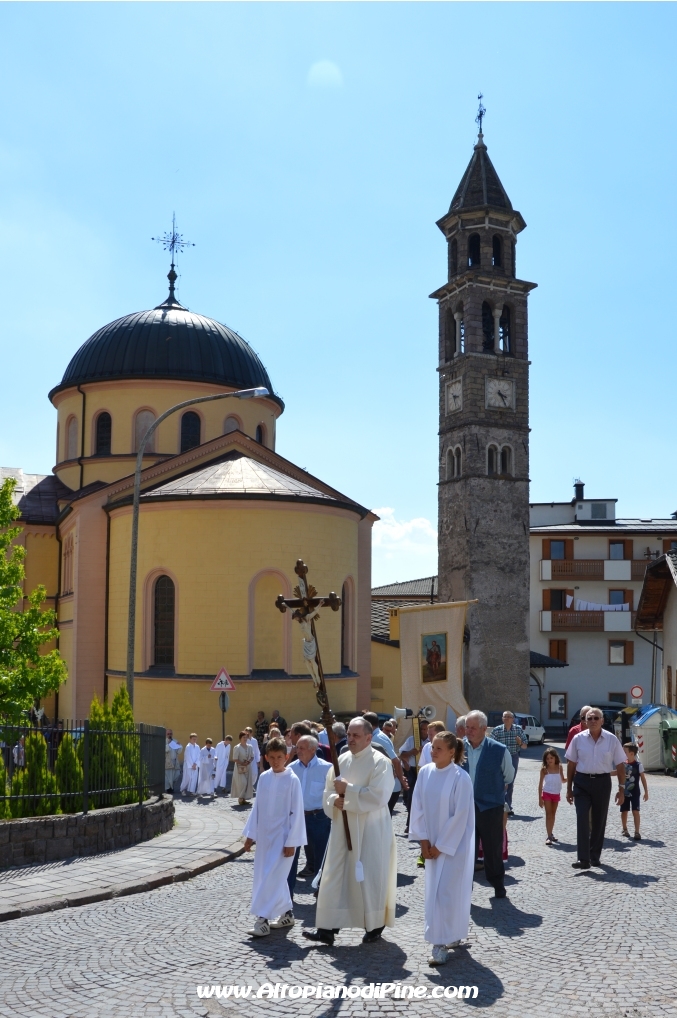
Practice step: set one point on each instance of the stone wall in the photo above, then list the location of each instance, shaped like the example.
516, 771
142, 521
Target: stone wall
46, 839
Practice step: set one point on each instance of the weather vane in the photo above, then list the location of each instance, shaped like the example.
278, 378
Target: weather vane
480, 112
173, 241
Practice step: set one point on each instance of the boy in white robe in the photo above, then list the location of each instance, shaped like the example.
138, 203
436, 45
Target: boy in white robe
251, 741
191, 761
222, 760
207, 769
443, 821
277, 825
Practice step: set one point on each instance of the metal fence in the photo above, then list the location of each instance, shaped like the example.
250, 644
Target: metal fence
71, 767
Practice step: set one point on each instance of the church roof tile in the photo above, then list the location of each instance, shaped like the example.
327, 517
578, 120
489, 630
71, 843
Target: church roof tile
480, 185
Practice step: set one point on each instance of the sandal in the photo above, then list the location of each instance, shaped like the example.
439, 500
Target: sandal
553, 838
548, 841
625, 834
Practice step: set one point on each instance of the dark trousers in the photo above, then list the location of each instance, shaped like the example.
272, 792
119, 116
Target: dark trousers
515, 757
318, 828
411, 775
591, 799
489, 829
392, 802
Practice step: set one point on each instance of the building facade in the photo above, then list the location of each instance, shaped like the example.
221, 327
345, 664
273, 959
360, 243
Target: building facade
587, 570
483, 544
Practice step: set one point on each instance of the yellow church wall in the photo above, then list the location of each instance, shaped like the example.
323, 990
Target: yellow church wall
386, 673
213, 551
124, 399
67, 689
189, 705
268, 625
42, 560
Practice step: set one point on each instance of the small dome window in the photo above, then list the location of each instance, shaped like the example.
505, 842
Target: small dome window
190, 430
103, 434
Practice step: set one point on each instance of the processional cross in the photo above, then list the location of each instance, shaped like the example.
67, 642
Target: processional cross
304, 608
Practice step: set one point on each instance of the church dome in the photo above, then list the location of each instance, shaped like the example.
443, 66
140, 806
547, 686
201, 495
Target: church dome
167, 342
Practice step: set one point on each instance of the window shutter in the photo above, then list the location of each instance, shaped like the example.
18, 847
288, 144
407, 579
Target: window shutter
629, 652
553, 649
546, 547
570, 593
667, 544
627, 549
628, 596
562, 650
547, 600
569, 549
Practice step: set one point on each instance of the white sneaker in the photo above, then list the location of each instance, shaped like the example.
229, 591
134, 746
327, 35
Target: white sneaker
282, 922
439, 955
261, 928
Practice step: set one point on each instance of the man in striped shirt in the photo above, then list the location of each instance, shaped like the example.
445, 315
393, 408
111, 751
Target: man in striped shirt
513, 738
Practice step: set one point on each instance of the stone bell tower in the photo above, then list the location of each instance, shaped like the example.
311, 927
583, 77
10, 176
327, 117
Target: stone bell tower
484, 435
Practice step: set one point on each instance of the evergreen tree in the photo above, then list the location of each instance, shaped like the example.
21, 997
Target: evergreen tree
35, 779
68, 771
122, 717
26, 675
4, 804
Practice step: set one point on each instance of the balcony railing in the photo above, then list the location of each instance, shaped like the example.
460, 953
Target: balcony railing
615, 570
577, 569
588, 622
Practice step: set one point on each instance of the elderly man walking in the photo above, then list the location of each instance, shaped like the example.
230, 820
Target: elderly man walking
358, 887
490, 767
312, 773
513, 738
592, 756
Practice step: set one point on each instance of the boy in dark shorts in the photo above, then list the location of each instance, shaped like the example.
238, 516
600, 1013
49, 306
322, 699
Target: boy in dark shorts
634, 773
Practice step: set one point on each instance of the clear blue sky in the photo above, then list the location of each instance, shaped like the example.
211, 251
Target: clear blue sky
312, 195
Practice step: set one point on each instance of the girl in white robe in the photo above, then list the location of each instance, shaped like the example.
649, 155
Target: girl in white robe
443, 821
222, 758
277, 825
242, 786
191, 762
207, 769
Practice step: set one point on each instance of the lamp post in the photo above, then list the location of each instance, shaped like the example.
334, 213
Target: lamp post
256, 393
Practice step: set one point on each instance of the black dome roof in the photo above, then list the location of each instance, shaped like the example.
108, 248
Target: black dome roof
168, 342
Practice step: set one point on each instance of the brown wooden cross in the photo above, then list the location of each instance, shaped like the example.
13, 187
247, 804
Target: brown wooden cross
304, 608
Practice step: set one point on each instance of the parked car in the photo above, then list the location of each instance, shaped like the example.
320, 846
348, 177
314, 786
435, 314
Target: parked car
611, 709
533, 729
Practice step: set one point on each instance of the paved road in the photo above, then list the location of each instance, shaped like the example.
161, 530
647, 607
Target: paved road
564, 943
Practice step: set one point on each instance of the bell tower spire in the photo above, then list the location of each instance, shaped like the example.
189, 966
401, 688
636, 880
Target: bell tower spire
484, 433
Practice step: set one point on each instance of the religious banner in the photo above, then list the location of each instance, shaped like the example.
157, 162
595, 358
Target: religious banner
431, 650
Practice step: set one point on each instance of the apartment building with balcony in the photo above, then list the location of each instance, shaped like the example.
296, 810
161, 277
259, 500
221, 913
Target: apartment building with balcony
587, 570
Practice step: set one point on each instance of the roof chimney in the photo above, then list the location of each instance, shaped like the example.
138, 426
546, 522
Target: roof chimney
578, 490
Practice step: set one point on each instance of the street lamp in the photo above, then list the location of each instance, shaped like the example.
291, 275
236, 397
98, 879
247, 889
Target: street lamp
256, 393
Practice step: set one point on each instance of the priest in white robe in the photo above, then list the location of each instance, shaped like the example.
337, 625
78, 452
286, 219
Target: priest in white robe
222, 760
358, 887
191, 763
443, 821
277, 825
172, 765
207, 769
241, 787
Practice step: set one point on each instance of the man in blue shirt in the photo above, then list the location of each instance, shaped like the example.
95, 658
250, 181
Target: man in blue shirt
490, 767
312, 773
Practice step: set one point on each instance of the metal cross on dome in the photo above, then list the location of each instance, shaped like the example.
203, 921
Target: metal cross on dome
173, 241
304, 608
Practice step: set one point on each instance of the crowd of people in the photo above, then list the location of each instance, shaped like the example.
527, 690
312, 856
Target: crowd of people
457, 789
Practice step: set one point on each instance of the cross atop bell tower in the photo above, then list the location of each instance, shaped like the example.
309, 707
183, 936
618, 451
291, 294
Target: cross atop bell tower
484, 433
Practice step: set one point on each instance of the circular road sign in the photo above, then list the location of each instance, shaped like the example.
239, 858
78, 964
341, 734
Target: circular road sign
636, 692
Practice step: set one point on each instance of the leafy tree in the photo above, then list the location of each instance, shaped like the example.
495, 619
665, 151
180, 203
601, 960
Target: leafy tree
4, 804
35, 779
26, 675
68, 771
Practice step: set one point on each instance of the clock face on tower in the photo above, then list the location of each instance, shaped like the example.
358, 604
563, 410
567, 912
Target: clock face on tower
454, 395
500, 393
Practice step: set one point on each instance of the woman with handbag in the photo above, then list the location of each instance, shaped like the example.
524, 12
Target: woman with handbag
242, 786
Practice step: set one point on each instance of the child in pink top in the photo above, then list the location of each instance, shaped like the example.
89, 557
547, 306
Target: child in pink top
549, 790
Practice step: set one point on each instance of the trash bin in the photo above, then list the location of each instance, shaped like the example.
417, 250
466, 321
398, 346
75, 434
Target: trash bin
647, 731
669, 738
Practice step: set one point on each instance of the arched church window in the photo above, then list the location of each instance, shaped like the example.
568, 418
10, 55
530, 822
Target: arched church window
492, 461
260, 434
449, 334
230, 424
474, 249
103, 434
505, 330
457, 461
496, 251
163, 618
506, 460
450, 464
142, 423
487, 327
72, 439
453, 258
190, 430
347, 625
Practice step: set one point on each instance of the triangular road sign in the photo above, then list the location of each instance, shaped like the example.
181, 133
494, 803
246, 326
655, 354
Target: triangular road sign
222, 681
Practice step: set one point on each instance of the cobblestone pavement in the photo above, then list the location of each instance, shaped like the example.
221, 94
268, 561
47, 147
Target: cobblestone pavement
599, 942
202, 830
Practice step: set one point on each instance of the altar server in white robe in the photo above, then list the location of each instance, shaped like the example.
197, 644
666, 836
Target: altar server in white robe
222, 760
443, 821
207, 769
277, 825
358, 888
191, 763
241, 787
253, 743
172, 765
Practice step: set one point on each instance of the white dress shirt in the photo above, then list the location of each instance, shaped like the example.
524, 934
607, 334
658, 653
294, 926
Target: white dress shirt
312, 777
595, 757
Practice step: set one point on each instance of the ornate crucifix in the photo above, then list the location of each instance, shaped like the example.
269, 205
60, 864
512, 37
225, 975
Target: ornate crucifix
304, 607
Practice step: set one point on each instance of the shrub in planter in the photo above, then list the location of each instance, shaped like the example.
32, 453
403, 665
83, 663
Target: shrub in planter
35, 779
68, 770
